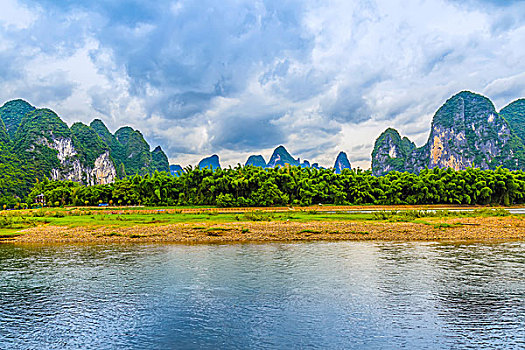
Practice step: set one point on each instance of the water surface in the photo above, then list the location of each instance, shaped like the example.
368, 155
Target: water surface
309, 295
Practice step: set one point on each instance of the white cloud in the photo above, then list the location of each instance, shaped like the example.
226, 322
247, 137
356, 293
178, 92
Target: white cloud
15, 16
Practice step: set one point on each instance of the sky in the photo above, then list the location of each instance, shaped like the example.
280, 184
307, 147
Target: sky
236, 78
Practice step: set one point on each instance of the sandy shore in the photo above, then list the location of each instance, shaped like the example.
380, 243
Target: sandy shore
495, 228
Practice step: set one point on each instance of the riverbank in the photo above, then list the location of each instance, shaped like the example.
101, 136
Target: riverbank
456, 228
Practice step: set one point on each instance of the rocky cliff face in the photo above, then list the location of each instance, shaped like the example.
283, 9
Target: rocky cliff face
104, 171
72, 167
390, 152
466, 132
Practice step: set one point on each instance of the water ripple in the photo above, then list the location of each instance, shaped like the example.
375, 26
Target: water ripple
311, 295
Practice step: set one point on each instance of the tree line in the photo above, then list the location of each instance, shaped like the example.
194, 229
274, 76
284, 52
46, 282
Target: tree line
253, 186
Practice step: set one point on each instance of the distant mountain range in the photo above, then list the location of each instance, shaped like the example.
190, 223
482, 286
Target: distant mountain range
280, 158
466, 131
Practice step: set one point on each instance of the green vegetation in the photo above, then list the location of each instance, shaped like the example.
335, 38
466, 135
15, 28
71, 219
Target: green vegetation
252, 186
16, 178
87, 142
159, 160
33, 137
256, 216
514, 114
412, 215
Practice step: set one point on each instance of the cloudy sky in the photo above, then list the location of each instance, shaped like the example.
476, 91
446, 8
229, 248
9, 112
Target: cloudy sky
242, 77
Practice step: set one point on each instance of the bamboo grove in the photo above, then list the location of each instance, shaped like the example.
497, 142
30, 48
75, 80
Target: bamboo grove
254, 186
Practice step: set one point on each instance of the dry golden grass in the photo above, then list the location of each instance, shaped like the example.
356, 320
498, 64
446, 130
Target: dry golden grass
480, 228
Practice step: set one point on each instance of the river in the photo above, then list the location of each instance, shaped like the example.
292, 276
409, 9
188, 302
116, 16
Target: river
343, 295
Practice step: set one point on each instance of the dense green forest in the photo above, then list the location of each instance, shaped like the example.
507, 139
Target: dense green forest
254, 186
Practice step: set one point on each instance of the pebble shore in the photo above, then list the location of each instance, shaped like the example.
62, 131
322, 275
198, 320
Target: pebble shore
491, 228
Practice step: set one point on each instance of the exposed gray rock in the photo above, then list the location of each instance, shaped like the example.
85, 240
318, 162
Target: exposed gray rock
466, 132
71, 168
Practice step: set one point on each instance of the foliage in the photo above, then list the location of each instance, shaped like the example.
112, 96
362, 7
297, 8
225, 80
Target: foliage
12, 113
253, 186
411, 215
15, 222
16, 177
159, 160
130, 152
256, 215
87, 143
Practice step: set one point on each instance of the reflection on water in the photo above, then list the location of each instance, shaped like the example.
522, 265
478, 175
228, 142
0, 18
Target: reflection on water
309, 295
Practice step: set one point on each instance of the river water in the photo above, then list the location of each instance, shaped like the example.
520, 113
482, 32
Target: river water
370, 295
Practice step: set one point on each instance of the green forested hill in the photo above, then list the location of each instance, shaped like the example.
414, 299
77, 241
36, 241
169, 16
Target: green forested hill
37, 143
390, 152
87, 141
130, 152
12, 113
159, 160
137, 155
514, 114
116, 148
466, 131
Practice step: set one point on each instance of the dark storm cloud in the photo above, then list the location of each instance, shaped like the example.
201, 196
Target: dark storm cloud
246, 133
48, 90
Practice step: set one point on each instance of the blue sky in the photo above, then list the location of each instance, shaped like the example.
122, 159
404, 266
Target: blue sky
242, 77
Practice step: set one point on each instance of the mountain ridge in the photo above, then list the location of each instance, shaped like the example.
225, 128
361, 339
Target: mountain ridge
42, 145
466, 131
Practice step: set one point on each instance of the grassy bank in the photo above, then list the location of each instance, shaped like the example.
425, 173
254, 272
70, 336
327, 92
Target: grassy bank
212, 225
